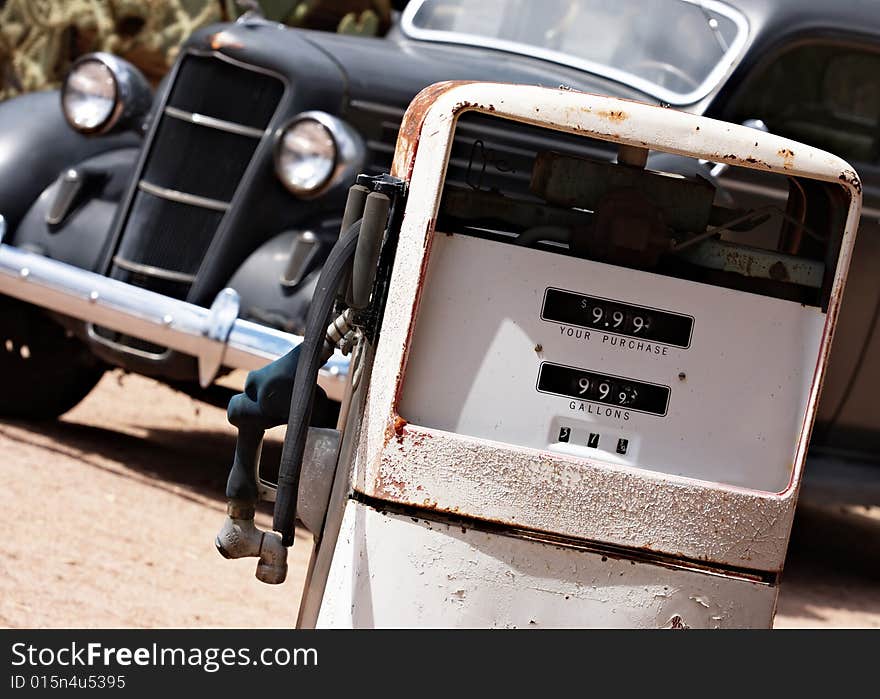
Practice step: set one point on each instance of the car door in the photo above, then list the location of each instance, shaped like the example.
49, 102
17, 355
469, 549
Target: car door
826, 93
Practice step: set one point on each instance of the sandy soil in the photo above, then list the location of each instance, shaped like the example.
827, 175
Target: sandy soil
115, 507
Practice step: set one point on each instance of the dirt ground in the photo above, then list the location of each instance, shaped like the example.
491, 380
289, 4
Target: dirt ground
114, 510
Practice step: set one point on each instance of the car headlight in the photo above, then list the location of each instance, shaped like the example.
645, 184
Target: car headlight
102, 91
314, 151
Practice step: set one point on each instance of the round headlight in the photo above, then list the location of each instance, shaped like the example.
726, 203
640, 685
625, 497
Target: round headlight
90, 96
103, 91
305, 156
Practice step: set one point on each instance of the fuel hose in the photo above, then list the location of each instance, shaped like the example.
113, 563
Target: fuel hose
336, 272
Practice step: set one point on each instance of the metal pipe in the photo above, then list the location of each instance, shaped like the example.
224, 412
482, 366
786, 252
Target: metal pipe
215, 336
239, 537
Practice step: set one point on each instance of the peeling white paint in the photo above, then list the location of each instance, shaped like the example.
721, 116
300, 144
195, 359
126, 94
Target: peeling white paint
372, 584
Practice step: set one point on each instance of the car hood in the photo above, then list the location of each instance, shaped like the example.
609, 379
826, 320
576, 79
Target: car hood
394, 69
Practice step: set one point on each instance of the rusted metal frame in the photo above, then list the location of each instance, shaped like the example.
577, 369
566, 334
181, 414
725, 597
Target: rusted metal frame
385, 442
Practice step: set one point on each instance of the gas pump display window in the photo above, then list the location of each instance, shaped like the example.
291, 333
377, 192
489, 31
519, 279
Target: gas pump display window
564, 194
615, 317
618, 391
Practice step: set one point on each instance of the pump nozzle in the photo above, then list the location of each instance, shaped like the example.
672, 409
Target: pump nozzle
239, 537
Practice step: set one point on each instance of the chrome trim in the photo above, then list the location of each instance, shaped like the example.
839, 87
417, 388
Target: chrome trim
350, 151
379, 108
70, 185
221, 320
722, 67
220, 56
214, 123
151, 271
380, 146
92, 332
134, 96
182, 197
178, 325
301, 252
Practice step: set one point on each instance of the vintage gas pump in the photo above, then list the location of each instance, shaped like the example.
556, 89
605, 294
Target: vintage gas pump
582, 384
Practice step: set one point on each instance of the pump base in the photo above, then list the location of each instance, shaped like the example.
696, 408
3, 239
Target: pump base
476, 578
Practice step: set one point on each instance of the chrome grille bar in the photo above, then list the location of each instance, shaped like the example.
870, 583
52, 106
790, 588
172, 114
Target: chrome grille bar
151, 271
214, 123
182, 197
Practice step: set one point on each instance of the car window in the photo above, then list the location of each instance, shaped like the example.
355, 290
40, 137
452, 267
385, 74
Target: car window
825, 95
675, 50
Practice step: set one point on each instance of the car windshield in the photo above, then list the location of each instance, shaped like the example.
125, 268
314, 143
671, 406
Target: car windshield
675, 50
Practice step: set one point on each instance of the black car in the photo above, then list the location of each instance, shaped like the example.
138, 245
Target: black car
234, 173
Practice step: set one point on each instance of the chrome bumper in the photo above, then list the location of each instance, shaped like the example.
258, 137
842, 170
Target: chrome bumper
215, 336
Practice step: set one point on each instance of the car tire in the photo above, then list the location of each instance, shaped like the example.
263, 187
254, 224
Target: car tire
45, 370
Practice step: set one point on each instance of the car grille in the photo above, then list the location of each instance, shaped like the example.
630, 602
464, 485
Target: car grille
213, 121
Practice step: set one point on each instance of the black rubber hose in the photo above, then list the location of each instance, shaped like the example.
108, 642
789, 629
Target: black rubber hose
366, 256
354, 210
335, 272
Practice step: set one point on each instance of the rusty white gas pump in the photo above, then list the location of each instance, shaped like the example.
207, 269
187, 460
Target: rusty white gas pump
581, 390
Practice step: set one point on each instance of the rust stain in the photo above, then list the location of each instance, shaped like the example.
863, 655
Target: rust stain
396, 430
417, 297
411, 127
676, 622
465, 105
615, 115
224, 39
787, 156
399, 425
389, 487
750, 160
850, 177
399, 429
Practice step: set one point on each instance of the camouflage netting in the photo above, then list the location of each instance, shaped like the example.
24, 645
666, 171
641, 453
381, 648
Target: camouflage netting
39, 39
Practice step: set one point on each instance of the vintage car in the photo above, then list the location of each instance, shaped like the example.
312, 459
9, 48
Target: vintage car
234, 174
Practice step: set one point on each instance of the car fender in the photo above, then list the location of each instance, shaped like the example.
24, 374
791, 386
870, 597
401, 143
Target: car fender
36, 143
264, 295
81, 236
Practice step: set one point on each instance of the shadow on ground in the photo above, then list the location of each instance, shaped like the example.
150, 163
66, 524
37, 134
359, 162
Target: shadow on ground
833, 561
198, 461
